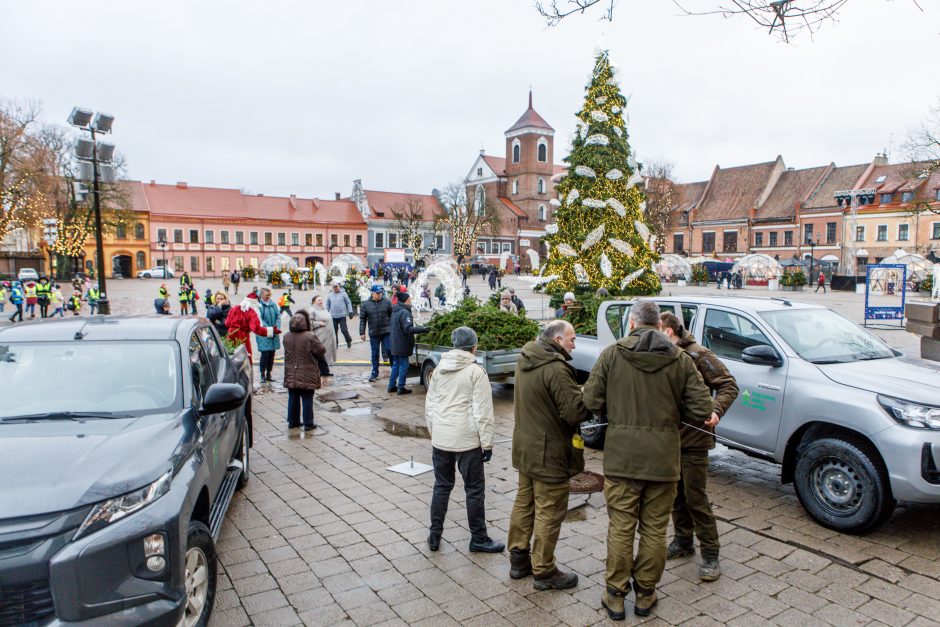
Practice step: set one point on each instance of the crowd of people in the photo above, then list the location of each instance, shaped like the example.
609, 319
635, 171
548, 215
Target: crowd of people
25, 297
662, 394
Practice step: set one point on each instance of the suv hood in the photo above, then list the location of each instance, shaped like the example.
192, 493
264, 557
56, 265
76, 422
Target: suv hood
56, 465
891, 376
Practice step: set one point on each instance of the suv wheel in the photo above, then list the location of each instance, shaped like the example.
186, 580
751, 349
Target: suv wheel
842, 485
199, 576
244, 456
593, 434
146, 275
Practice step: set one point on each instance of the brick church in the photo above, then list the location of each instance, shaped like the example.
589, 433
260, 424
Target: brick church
520, 186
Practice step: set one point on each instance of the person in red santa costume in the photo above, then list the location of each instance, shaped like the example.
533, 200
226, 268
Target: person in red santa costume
243, 320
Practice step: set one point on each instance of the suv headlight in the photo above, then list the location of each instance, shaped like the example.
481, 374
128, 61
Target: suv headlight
107, 512
910, 414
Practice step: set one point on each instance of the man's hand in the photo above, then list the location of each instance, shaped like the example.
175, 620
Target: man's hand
362, 337
713, 421
277, 331
487, 454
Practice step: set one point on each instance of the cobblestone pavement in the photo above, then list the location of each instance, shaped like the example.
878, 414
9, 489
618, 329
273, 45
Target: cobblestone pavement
325, 535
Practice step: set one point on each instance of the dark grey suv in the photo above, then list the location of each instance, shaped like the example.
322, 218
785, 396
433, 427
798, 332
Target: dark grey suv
122, 441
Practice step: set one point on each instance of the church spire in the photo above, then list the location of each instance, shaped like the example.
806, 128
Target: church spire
530, 97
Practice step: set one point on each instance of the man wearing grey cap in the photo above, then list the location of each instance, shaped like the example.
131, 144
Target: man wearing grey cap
458, 409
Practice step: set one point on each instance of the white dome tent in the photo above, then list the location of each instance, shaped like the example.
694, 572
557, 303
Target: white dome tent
672, 267
341, 266
278, 260
446, 269
758, 267
918, 267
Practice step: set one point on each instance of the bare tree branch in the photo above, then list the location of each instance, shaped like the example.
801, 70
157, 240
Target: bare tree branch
553, 13
661, 199
412, 224
466, 218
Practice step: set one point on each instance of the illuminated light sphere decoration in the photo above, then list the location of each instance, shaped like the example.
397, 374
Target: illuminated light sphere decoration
606, 232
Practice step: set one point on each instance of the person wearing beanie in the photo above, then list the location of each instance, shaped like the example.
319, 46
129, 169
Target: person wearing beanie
569, 301
458, 410
244, 320
402, 330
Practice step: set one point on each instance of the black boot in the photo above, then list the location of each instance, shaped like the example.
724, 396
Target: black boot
520, 563
679, 547
487, 545
556, 581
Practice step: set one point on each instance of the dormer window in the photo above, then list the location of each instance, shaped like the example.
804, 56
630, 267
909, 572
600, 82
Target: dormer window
886, 199
516, 151
907, 196
881, 179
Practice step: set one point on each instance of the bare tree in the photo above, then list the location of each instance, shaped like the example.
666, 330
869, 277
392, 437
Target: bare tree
412, 222
922, 149
661, 199
466, 218
782, 18
25, 164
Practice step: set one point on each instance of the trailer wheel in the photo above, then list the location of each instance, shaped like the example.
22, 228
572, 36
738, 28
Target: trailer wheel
427, 371
594, 431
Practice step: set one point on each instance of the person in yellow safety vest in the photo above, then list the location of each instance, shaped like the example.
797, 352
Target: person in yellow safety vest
75, 303
31, 299
284, 302
3, 296
43, 292
58, 301
184, 300
92, 296
164, 293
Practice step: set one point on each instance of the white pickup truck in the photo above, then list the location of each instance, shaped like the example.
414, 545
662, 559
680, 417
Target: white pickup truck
854, 426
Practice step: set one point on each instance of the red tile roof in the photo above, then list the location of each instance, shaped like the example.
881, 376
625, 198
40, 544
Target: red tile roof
530, 119
389, 203
838, 179
733, 191
497, 164
895, 175
513, 207
792, 188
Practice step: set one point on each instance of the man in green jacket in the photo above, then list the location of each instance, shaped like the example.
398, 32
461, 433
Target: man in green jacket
547, 450
692, 512
646, 386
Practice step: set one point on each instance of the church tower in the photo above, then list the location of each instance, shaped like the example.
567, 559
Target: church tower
529, 165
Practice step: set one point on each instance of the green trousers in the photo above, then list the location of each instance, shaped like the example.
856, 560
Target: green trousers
692, 512
537, 514
637, 506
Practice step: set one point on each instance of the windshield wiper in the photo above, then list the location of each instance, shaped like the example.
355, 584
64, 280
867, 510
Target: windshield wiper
65, 415
829, 361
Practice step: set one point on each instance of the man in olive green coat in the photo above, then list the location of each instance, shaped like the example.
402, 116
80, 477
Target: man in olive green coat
646, 386
547, 450
692, 512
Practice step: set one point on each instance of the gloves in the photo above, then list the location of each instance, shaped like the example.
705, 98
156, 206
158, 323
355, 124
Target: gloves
277, 331
487, 454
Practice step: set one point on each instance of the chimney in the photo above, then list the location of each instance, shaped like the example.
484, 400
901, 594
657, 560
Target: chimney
880, 160
153, 183
337, 195
181, 185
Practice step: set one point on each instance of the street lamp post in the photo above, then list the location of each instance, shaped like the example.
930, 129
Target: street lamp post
97, 153
812, 254
163, 244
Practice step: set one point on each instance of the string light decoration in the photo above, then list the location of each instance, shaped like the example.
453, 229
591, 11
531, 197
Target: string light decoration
600, 218
70, 238
22, 204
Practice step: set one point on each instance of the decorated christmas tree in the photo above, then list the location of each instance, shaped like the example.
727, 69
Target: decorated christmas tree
599, 238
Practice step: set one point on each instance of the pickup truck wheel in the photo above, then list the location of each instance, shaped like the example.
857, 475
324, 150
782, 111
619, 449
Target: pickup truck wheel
244, 456
199, 576
427, 371
842, 485
594, 435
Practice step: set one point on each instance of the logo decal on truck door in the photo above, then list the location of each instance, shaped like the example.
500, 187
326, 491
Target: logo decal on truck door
756, 400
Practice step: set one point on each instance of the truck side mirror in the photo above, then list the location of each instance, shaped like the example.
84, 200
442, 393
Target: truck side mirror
223, 397
762, 355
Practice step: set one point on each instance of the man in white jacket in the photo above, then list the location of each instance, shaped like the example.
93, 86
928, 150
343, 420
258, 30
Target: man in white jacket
459, 412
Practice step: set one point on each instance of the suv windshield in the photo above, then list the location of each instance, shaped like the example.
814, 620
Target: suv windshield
822, 336
88, 377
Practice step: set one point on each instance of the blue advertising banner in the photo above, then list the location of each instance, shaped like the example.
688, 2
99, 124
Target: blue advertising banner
886, 279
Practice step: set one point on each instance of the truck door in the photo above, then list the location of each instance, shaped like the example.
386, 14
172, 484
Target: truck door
223, 372
211, 424
754, 418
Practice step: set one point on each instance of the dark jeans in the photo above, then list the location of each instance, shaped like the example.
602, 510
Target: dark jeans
324, 366
295, 400
340, 324
266, 363
399, 372
18, 312
821, 285
470, 465
375, 342
287, 309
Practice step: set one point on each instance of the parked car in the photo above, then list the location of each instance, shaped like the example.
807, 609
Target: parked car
159, 272
27, 274
118, 475
854, 426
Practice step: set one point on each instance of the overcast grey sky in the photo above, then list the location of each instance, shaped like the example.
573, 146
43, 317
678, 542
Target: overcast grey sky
302, 97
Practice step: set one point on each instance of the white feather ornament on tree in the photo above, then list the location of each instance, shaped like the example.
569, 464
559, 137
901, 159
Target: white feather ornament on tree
635, 179
583, 170
615, 109
551, 229
594, 203
642, 229
599, 116
600, 100
618, 131
597, 140
617, 206
621, 246
580, 274
607, 269
630, 278
554, 202
614, 174
567, 250
593, 237
573, 195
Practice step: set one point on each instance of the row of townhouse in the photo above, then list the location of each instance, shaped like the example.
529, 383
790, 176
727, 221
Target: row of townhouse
847, 215
210, 231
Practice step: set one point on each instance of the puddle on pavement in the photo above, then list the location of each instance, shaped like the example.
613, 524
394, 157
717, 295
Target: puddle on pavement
577, 514
357, 411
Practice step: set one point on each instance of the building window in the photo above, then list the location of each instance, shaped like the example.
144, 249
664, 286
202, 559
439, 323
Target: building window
295, 239
225, 267
268, 239
439, 243
393, 240
480, 201
161, 235
138, 231
253, 238
121, 231
515, 186
347, 239
210, 237
240, 237
543, 151
239, 263
678, 244
773, 238
542, 213
224, 235
730, 242
177, 236
516, 151
507, 247
308, 239
210, 264
788, 238
862, 264
830, 232
541, 186
193, 236
194, 264
882, 233
907, 196
479, 171
481, 247
379, 239
708, 242
333, 240
254, 262
937, 196
319, 239
860, 234
935, 234
758, 239
358, 241
141, 260
886, 199
903, 232
808, 232
178, 264
281, 239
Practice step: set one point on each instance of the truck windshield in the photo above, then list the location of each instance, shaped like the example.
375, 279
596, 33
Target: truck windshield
822, 336
119, 378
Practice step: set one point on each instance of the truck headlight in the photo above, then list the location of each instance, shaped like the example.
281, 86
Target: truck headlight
107, 512
910, 414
